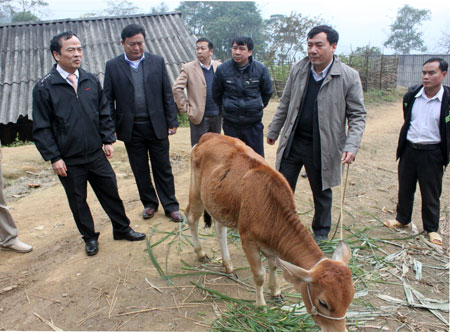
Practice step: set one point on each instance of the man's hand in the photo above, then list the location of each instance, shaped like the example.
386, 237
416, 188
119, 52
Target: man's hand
59, 167
172, 131
109, 150
347, 157
270, 141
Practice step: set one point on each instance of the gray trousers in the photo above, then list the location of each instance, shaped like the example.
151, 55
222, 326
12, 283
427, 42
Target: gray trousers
8, 229
209, 124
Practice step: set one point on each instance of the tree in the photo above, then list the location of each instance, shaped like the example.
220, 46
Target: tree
286, 39
367, 50
25, 16
222, 21
120, 7
196, 14
5, 10
405, 36
21, 10
445, 42
160, 9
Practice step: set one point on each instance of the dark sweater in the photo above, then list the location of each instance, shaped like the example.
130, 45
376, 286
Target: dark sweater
140, 105
308, 113
211, 108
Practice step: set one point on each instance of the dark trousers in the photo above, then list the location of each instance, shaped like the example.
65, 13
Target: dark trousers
426, 167
301, 154
209, 124
251, 135
144, 145
102, 179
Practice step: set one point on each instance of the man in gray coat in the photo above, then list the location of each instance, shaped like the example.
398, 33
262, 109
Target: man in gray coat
321, 117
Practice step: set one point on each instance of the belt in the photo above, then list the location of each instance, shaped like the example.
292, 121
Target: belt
427, 147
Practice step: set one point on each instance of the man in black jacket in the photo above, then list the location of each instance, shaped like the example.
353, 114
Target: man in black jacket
424, 148
71, 123
242, 87
138, 89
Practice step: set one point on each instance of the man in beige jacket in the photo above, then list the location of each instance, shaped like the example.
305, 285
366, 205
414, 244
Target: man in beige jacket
321, 118
8, 229
195, 80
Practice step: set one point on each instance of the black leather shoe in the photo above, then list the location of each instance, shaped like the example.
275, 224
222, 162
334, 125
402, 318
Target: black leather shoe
148, 213
91, 247
131, 235
175, 216
320, 238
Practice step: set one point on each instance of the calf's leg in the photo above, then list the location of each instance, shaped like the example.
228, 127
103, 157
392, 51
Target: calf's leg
222, 235
274, 285
257, 268
193, 212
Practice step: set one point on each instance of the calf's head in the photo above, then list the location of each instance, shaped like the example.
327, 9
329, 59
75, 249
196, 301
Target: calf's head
327, 288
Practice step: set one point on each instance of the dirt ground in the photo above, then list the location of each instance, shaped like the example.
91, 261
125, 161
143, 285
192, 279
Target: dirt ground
58, 286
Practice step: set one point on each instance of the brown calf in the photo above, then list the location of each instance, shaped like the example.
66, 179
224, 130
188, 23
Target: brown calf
239, 189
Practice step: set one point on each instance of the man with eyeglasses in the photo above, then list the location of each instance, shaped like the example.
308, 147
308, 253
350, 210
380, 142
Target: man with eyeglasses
143, 109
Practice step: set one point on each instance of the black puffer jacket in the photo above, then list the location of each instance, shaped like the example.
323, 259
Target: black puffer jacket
68, 125
242, 95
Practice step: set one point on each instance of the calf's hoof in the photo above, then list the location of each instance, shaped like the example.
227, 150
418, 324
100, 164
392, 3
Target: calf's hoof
278, 299
204, 259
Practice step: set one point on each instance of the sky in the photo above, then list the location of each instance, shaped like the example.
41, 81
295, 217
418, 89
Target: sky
359, 23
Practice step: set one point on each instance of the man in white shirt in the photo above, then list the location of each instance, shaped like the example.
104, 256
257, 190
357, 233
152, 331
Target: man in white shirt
423, 148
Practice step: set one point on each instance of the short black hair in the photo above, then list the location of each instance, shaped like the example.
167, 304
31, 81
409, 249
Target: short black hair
132, 30
203, 39
243, 40
332, 35
443, 65
55, 42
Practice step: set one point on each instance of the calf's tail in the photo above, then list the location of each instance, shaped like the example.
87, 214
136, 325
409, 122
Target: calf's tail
207, 219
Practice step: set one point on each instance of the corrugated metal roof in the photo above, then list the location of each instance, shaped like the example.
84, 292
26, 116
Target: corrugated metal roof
25, 56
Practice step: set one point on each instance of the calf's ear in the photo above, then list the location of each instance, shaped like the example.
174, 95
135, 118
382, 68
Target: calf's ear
342, 252
294, 273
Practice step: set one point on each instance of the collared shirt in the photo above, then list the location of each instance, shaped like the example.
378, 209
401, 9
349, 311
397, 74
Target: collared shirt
64, 74
203, 66
134, 64
322, 74
425, 116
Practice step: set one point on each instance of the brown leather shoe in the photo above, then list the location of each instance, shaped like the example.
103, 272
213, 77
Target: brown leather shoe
175, 216
148, 213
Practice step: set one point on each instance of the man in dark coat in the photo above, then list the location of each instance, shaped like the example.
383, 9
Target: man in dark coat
71, 124
424, 148
139, 92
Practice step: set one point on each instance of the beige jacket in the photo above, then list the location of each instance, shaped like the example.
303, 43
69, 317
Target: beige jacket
341, 111
192, 81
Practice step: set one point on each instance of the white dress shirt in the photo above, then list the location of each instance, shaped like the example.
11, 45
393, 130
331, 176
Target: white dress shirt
203, 66
134, 63
425, 116
322, 74
64, 74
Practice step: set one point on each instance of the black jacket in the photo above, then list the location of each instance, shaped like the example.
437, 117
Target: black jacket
242, 95
119, 90
68, 125
444, 123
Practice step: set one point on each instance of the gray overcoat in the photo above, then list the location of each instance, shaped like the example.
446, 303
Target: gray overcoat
340, 104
